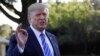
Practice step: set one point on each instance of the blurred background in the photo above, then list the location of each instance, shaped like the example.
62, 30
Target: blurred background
76, 23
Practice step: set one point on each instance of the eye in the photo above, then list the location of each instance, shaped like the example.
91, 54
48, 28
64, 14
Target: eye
44, 14
38, 14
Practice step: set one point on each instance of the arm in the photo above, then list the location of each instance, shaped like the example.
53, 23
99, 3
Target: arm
13, 48
17, 42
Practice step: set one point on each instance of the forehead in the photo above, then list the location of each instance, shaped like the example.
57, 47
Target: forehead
45, 10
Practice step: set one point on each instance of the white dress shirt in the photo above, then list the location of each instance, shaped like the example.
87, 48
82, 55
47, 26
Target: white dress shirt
37, 34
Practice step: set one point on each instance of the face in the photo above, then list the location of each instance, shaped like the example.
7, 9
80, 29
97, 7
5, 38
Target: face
39, 19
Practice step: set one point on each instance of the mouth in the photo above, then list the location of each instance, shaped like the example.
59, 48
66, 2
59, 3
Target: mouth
42, 23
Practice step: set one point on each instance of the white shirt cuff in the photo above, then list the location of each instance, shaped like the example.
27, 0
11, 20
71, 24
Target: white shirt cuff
21, 50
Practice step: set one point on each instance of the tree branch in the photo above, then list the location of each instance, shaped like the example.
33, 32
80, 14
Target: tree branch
9, 16
11, 7
40, 1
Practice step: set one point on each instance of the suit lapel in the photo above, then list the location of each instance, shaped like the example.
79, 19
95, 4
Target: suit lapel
52, 43
34, 42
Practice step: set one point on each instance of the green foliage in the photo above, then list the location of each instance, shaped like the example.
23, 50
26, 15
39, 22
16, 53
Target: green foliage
5, 30
10, 1
71, 11
73, 19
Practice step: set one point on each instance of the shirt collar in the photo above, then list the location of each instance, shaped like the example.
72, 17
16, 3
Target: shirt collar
36, 31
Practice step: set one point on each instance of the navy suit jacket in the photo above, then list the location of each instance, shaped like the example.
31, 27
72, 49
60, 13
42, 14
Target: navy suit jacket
32, 47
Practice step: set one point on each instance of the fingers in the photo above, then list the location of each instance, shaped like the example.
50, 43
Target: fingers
24, 32
19, 27
20, 30
21, 35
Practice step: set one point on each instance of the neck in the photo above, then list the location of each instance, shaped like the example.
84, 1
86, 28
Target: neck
38, 29
41, 30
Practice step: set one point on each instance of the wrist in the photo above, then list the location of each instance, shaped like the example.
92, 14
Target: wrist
21, 50
21, 46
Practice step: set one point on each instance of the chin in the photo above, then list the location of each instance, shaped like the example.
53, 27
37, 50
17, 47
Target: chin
42, 28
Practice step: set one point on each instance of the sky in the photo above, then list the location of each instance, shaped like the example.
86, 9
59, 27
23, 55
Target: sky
5, 20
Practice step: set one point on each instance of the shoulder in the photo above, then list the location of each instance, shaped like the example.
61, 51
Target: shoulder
13, 38
50, 34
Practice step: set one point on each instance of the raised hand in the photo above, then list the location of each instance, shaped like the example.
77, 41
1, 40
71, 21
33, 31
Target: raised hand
21, 36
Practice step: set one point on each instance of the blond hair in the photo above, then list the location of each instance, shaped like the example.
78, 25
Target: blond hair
36, 6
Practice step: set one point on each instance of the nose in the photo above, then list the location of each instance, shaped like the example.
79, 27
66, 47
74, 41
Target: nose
42, 16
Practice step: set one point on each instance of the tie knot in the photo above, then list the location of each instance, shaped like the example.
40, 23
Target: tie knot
42, 35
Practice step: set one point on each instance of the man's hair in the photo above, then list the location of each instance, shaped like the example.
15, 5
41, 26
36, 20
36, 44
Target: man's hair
36, 6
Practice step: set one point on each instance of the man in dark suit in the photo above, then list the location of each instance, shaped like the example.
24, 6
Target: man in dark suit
35, 40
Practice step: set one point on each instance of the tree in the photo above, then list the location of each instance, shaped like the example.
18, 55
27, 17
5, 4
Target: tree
96, 4
22, 14
5, 31
72, 23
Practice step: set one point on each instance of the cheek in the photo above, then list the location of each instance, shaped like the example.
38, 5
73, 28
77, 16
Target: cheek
47, 19
32, 21
35, 22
